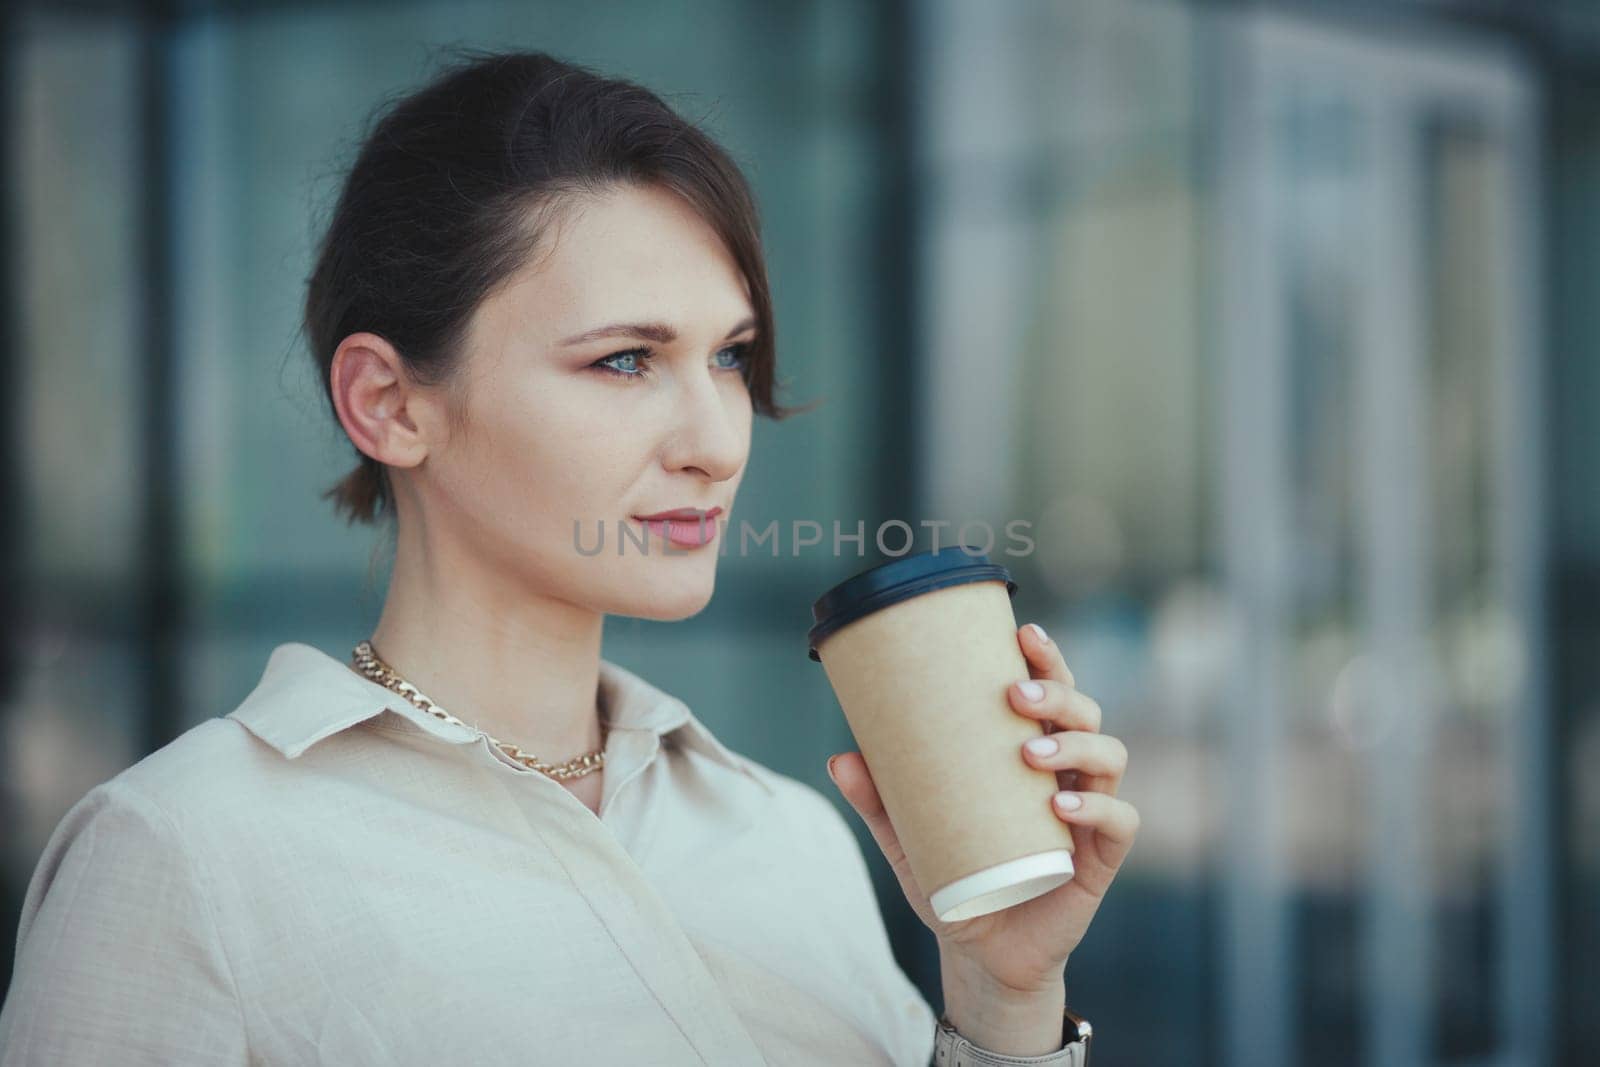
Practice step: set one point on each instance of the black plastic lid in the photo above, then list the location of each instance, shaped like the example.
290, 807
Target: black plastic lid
897, 580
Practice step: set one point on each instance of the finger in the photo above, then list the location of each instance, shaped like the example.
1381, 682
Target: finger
1100, 755
1113, 819
854, 780
1044, 658
1060, 705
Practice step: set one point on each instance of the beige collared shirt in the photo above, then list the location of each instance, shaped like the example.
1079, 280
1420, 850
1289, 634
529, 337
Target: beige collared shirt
329, 875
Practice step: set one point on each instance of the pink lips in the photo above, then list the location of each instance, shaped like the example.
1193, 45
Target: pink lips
685, 527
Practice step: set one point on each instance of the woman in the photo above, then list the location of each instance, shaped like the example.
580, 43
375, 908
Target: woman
540, 305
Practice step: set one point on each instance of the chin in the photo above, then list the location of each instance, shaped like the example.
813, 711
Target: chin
667, 601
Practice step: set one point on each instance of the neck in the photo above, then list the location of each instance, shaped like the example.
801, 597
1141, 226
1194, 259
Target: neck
522, 668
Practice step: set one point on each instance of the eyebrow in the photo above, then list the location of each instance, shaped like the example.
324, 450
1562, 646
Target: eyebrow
659, 332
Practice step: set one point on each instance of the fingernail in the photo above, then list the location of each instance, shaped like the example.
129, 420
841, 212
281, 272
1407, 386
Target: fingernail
1038, 631
1031, 690
1042, 746
830, 770
1069, 801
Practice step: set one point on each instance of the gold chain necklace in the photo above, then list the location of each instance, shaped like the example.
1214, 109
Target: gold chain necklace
367, 662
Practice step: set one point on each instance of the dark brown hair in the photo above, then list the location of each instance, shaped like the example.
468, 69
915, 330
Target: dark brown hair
455, 185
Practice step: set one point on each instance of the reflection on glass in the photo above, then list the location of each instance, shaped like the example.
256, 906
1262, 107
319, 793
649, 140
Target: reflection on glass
1330, 721
79, 331
71, 726
1473, 646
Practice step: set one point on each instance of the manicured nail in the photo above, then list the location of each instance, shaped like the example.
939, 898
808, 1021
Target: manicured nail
1031, 690
1038, 631
1069, 801
1042, 746
830, 770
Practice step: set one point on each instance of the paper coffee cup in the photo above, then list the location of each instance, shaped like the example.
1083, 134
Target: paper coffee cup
920, 652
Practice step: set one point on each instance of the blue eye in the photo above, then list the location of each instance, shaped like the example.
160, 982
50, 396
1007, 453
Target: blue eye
636, 354
741, 356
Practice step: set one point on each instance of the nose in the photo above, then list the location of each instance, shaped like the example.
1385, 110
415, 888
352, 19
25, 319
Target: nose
710, 428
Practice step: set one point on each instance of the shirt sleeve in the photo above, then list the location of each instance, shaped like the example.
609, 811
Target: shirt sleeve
119, 959
906, 1020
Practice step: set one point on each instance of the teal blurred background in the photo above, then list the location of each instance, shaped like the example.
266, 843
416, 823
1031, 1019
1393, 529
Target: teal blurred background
1278, 322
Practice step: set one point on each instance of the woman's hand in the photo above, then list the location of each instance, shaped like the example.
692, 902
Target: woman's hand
1024, 948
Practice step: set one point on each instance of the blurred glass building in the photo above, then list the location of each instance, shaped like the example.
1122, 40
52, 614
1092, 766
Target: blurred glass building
1276, 321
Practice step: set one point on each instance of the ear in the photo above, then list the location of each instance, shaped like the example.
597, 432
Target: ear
386, 415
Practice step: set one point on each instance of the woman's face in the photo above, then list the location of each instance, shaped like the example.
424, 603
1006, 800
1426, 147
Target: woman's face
575, 418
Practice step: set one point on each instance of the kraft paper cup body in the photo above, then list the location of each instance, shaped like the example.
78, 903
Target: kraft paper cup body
922, 682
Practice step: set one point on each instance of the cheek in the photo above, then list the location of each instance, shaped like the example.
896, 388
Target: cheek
572, 472
523, 465
547, 435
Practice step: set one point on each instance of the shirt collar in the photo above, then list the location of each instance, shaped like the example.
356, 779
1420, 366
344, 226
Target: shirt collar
305, 695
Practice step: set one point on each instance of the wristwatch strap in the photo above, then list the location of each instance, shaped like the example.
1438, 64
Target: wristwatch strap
950, 1049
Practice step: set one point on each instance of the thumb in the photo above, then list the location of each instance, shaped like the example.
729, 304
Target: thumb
854, 781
